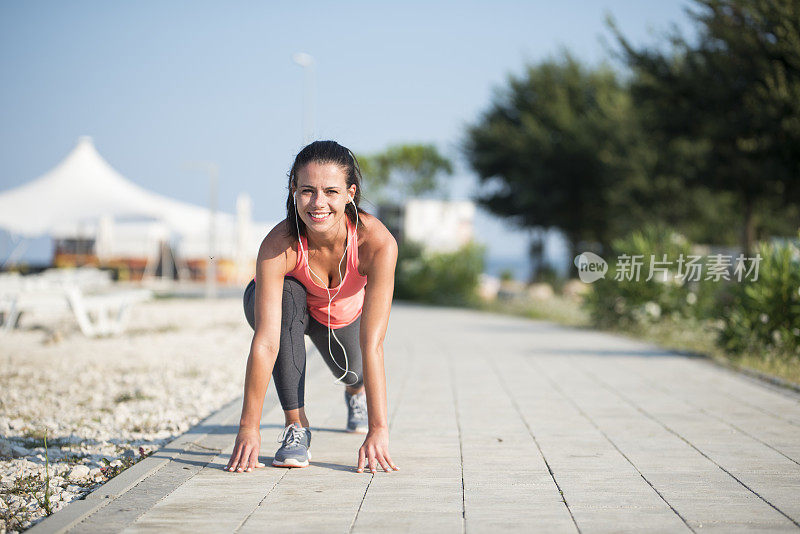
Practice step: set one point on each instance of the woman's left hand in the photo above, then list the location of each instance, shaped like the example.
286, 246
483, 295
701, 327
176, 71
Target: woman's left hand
375, 451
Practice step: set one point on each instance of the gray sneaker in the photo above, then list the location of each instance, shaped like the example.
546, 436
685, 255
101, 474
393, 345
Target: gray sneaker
294, 450
357, 420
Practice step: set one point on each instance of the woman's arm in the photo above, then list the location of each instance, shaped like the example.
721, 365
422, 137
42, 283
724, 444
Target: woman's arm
270, 270
374, 320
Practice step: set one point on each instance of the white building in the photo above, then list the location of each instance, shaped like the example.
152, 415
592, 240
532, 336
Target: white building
438, 225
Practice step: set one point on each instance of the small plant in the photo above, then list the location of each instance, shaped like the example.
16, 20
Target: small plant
623, 299
764, 315
110, 471
74, 458
135, 396
449, 278
16, 516
45, 503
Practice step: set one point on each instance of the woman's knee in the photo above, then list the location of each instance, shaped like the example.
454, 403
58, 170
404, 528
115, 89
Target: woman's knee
294, 306
357, 384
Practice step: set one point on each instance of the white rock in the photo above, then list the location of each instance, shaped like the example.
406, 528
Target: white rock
78, 472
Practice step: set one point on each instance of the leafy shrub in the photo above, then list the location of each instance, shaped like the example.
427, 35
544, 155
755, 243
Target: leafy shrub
623, 302
449, 278
765, 313
507, 275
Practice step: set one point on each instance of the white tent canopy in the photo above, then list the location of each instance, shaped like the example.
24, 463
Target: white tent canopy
83, 188
84, 194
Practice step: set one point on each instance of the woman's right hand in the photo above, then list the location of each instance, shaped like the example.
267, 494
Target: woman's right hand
245, 451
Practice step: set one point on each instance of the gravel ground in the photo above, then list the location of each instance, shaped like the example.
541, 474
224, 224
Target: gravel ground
106, 403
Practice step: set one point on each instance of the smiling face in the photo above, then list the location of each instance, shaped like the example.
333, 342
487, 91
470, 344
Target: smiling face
322, 195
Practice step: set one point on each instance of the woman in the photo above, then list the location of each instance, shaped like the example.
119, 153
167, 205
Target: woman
301, 287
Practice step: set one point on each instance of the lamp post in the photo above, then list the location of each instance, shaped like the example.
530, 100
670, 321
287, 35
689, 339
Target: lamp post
307, 62
211, 265
211, 279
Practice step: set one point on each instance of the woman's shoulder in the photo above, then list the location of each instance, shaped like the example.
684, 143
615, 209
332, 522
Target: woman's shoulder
279, 242
372, 232
373, 238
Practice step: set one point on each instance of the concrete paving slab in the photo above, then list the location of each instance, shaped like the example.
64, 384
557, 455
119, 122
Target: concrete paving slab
496, 423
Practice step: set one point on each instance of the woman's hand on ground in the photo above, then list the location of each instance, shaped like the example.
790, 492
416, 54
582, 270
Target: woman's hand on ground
375, 452
245, 451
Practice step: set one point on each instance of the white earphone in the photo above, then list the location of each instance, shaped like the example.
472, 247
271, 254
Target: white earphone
327, 289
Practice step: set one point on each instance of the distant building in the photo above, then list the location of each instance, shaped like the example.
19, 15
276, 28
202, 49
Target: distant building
438, 225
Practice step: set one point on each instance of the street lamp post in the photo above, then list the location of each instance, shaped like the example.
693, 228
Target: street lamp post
307, 62
211, 279
211, 264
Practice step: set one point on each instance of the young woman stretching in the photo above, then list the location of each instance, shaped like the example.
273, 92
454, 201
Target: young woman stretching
327, 270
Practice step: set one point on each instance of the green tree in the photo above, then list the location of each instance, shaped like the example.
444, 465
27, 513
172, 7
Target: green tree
565, 146
554, 147
731, 99
404, 170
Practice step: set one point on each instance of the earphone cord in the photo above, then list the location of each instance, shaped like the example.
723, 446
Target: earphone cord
330, 298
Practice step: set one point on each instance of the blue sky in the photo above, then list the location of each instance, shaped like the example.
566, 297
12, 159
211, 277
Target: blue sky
159, 84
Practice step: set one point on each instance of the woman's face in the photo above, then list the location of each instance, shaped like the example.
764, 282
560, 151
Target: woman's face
322, 195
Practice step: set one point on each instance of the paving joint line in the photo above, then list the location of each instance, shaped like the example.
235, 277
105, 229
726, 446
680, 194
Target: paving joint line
555, 386
170, 492
360, 504
203, 447
734, 372
644, 412
710, 414
535, 442
406, 375
764, 411
460, 442
75, 524
275, 485
61, 522
100, 497
391, 422
775, 383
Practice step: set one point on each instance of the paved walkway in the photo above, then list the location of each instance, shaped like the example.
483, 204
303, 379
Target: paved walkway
496, 423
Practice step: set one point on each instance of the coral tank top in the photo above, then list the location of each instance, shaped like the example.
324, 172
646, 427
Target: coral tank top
348, 303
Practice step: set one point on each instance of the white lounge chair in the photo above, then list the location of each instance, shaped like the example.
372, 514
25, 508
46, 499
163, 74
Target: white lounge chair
107, 314
57, 291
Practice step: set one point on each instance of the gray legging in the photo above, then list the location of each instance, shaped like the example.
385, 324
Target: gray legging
289, 372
